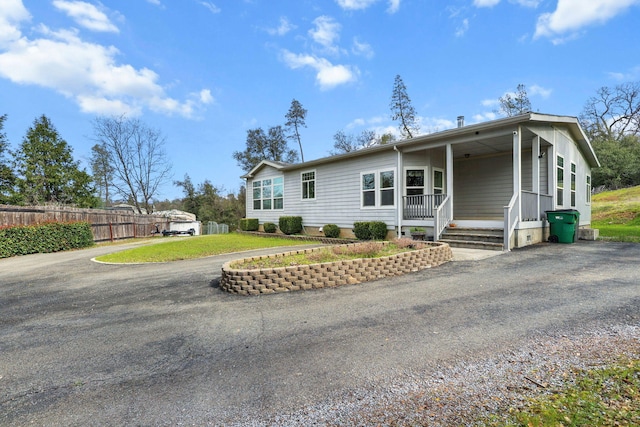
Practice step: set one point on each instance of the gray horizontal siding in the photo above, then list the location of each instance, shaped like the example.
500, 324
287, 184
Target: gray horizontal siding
482, 187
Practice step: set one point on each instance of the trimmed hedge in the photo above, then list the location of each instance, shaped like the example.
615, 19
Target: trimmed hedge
269, 227
331, 230
368, 230
44, 238
290, 224
249, 224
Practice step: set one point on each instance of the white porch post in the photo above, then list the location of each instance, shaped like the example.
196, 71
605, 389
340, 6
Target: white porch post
399, 192
517, 169
535, 170
449, 192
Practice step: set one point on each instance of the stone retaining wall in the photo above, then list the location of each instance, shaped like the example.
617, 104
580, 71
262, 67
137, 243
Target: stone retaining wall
331, 274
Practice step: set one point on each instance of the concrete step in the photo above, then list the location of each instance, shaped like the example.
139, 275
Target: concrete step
478, 236
473, 244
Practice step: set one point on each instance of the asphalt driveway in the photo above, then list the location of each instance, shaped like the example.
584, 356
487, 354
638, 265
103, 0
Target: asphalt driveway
83, 343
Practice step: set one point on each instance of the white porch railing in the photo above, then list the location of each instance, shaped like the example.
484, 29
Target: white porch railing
421, 206
510, 220
530, 210
442, 215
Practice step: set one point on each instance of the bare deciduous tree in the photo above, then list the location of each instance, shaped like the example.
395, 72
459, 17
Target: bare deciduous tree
136, 154
613, 113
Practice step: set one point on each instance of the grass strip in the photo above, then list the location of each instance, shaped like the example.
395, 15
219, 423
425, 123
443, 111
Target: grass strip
175, 249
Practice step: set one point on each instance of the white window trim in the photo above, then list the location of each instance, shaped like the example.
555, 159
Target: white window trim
272, 198
573, 181
589, 185
433, 180
315, 185
425, 185
377, 189
555, 179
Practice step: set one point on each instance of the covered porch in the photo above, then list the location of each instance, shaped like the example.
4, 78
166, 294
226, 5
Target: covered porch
498, 179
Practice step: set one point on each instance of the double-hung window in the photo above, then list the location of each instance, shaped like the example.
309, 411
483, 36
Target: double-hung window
308, 180
378, 189
268, 194
573, 185
559, 180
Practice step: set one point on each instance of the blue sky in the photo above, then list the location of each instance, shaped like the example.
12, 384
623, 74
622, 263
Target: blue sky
203, 72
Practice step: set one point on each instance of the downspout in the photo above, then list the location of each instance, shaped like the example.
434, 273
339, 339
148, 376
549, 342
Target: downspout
399, 193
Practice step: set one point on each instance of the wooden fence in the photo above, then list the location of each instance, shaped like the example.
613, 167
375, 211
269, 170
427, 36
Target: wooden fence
106, 224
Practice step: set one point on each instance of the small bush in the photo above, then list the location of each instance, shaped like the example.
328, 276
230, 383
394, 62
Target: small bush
361, 230
269, 227
364, 250
249, 224
331, 230
378, 230
367, 230
290, 224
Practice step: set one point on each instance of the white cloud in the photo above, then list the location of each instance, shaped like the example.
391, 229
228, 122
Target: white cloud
632, 74
394, 5
12, 13
571, 16
211, 7
86, 15
205, 96
326, 32
536, 90
484, 117
87, 73
489, 102
282, 29
528, 3
462, 28
328, 75
362, 49
485, 3
355, 4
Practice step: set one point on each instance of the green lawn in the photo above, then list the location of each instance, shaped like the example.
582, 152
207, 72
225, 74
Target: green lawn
617, 214
174, 249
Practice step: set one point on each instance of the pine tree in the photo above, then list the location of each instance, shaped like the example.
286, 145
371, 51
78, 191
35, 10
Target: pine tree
402, 110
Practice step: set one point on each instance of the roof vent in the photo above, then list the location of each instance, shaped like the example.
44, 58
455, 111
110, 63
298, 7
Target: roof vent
460, 121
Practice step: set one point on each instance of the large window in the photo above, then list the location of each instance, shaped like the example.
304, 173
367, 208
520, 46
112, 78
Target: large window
378, 188
559, 180
268, 194
308, 185
414, 182
573, 185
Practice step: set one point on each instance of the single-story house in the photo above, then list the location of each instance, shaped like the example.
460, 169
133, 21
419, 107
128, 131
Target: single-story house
499, 176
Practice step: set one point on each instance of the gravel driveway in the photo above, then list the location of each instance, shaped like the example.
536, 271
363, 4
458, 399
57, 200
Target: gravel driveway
83, 343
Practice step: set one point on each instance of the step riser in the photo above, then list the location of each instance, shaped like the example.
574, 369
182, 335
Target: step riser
474, 245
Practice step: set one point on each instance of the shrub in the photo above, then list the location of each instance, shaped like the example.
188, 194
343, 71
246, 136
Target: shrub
44, 238
367, 230
331, 230
249, 224
290, 224
378, 230
269, 227
361, 230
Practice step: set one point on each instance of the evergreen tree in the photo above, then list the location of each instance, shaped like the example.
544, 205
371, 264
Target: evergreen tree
46, 170
265, 146
295, 120
7, 177
514, 104
402, 110
102, 171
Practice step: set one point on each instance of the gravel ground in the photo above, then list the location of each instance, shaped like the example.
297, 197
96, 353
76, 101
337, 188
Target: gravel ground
463, 394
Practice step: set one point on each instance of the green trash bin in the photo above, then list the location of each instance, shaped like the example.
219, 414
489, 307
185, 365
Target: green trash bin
564, 225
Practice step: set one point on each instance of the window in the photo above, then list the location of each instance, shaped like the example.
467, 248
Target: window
308, 185
387, 188
573, 185
268, 194
588, 193
414, 182
368, 189
378, 188
438, 181
559, 180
